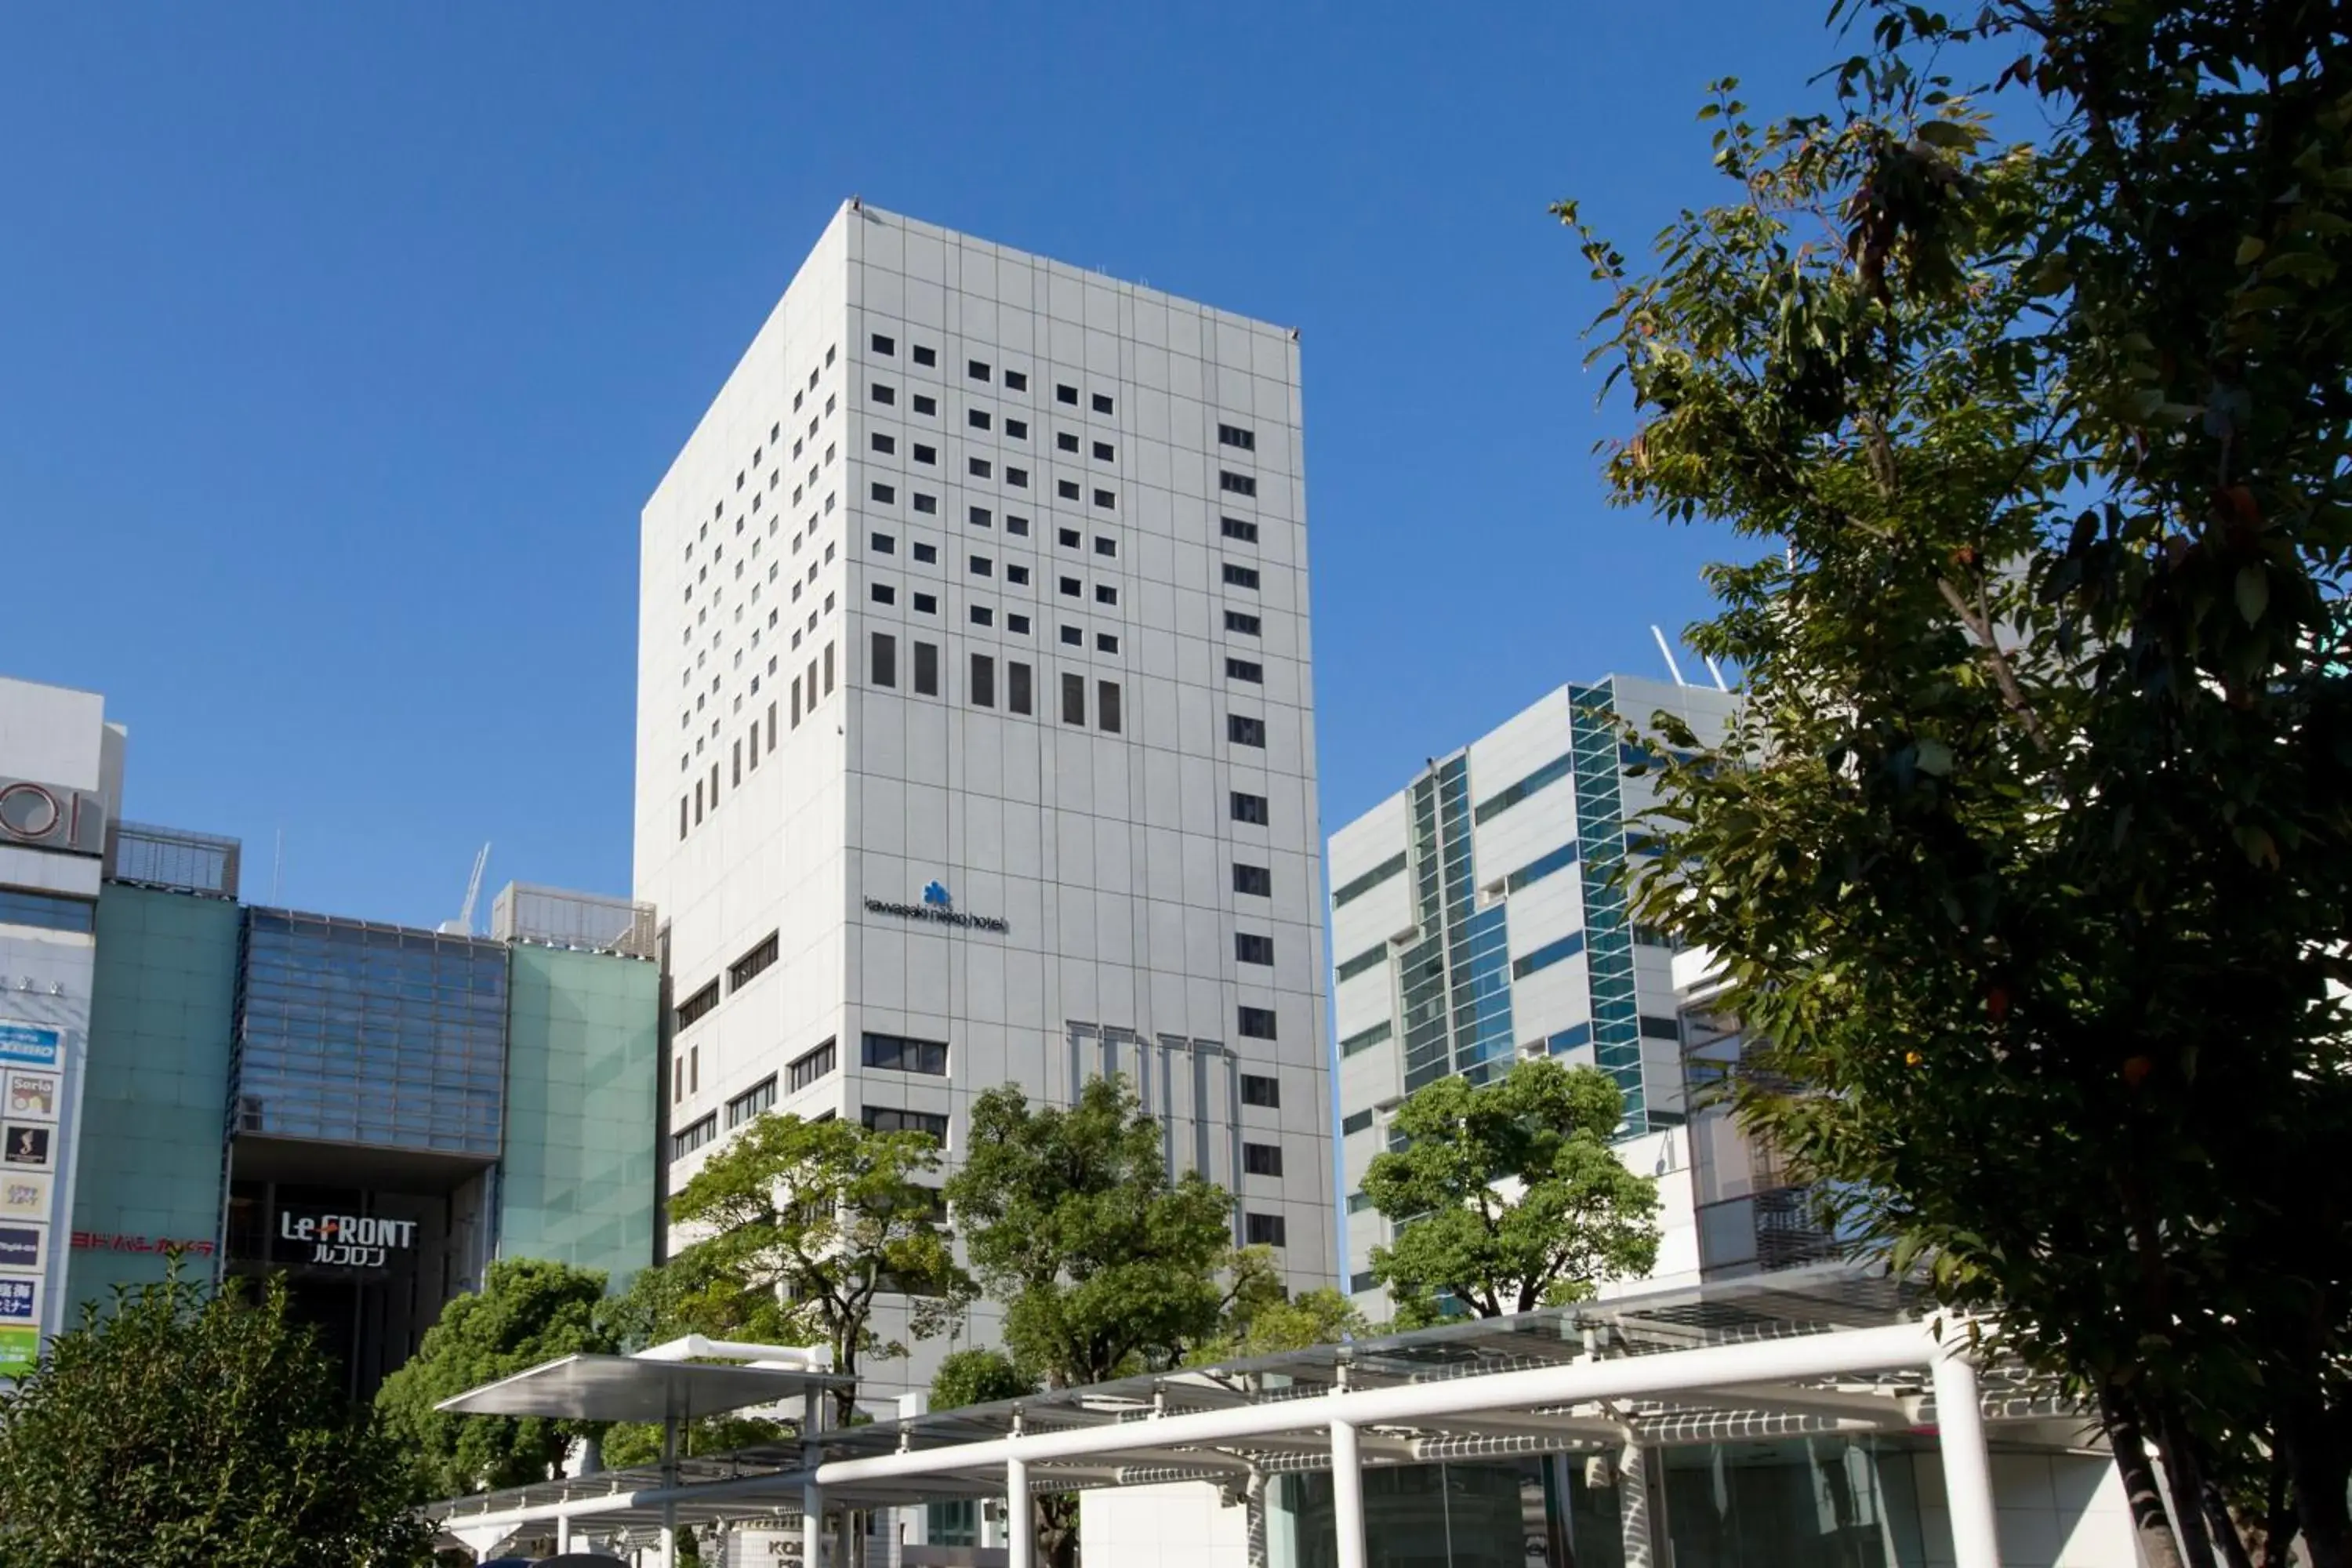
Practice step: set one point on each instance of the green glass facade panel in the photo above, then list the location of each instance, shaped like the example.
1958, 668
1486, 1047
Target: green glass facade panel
583, 1071
155, 1098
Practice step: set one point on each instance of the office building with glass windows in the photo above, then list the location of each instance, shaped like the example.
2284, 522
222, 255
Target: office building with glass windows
1477, 917
975, 737
375, 1111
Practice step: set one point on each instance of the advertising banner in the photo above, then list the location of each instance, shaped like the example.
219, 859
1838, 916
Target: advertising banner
20, 1301
23, 1195
32, 1096
28, 1146
24, 1247
20, 1350
31, 1045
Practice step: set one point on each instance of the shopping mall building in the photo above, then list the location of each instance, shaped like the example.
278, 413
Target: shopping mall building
375, 1109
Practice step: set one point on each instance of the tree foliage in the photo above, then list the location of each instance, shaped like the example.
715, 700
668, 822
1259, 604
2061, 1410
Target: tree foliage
691, 1295
828, 1216
186, 1427
977, 1377
528, 1311
1104, 1266
1507, 1197
2033, 869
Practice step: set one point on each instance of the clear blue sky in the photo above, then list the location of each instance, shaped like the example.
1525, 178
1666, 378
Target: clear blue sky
341, 345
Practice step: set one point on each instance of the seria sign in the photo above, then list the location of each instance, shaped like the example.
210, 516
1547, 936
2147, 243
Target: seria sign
348, 1241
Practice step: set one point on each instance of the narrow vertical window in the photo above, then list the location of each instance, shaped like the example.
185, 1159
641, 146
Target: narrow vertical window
681, 816
796, 702
882, 668
771, 726
697, 802
737, 779
927, 670
1073, 699
829, 670
984, 680
1107, 705
1016, 687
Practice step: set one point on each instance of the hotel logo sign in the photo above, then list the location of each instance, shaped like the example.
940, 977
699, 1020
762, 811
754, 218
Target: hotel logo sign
938, 908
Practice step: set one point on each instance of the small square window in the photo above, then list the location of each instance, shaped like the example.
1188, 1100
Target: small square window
1068, 538
926, 404
1238, 528
1017, 380
1239, 576
981, 566
1016, 525
926, 503
885, 494
1104, 545
1243, 669
882, 345
980, 517
927, 554
1102, 402
926, 356
886, 445
1017, 625
1105, 642
1239, 484
1256, 880
884, 594
1250, 948
1237, 622
884, 395
925, 454
1073, 636
1104, 499
1105, 595
1016, 429
1066, 442
1068, 395
1243, 730
1257, 1024
1103, 453
1258, 1089
982, 615
976, 418
927, 605
1014, 573
1073, 588
1066, 489
976, 369
979, 467
1235, 436
1017, 478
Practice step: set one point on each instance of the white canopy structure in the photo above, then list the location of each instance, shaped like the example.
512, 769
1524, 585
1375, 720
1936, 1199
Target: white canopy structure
1824, 1353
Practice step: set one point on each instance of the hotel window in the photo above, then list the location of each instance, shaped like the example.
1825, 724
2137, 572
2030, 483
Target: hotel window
882, 669
982, 616
1066, 441
884, 494
1105, 453
980, 517
1016, 525
1066, 489
927, 670
883, 346
923, 454
976, 369
1016, 686
1249, 808
1106, 706
1247, 626
1017, 380
1235, 436
927, 554
1243, 730
1105, 595
1104, 499
810, 1065
1105, 642
1257, 1023
926, 503
884, 594
884, 395
1261, 1159
751, 1102
1101, 402
925, 405
1258, 1089
981, 566
1236, 528
979, 467
1240, 577
886, 445
1256, 880
1243, 669
1252, 948
1018, 479
926, 356
1016, 429
1238, 484
1104, 545
1017, 625
1073, 699
976, 418
1068, 395
927, 604
984, 680
895, 1053
1267, 1230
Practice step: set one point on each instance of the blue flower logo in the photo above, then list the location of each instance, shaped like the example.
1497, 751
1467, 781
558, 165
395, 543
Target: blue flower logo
936, 895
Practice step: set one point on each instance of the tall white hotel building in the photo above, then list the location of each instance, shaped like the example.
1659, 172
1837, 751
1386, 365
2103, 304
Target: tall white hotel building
975, 722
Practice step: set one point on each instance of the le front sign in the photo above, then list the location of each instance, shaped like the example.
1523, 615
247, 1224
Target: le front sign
347, 1241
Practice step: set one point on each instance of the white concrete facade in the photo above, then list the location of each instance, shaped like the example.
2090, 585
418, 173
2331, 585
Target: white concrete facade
1472, 923
974, 674
60, 787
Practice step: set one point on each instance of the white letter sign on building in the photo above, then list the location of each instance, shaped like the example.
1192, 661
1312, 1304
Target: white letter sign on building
52, 816
348, 1241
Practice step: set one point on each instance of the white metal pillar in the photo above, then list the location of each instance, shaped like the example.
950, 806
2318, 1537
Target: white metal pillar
669, 1483
1638, 1540
811, 1525
563, 1533
1020, 1524
1347, 1496
1968, 1474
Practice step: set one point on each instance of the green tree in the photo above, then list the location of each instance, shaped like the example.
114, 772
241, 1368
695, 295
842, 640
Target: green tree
2033, 869
1269, 1322
829, 1216
528, 1311
1102, 1265
1507, 1197
977, 1377
186, 1427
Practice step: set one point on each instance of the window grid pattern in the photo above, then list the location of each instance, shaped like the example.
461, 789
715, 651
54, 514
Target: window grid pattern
368, 1034
1608, 933
1457, 1001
